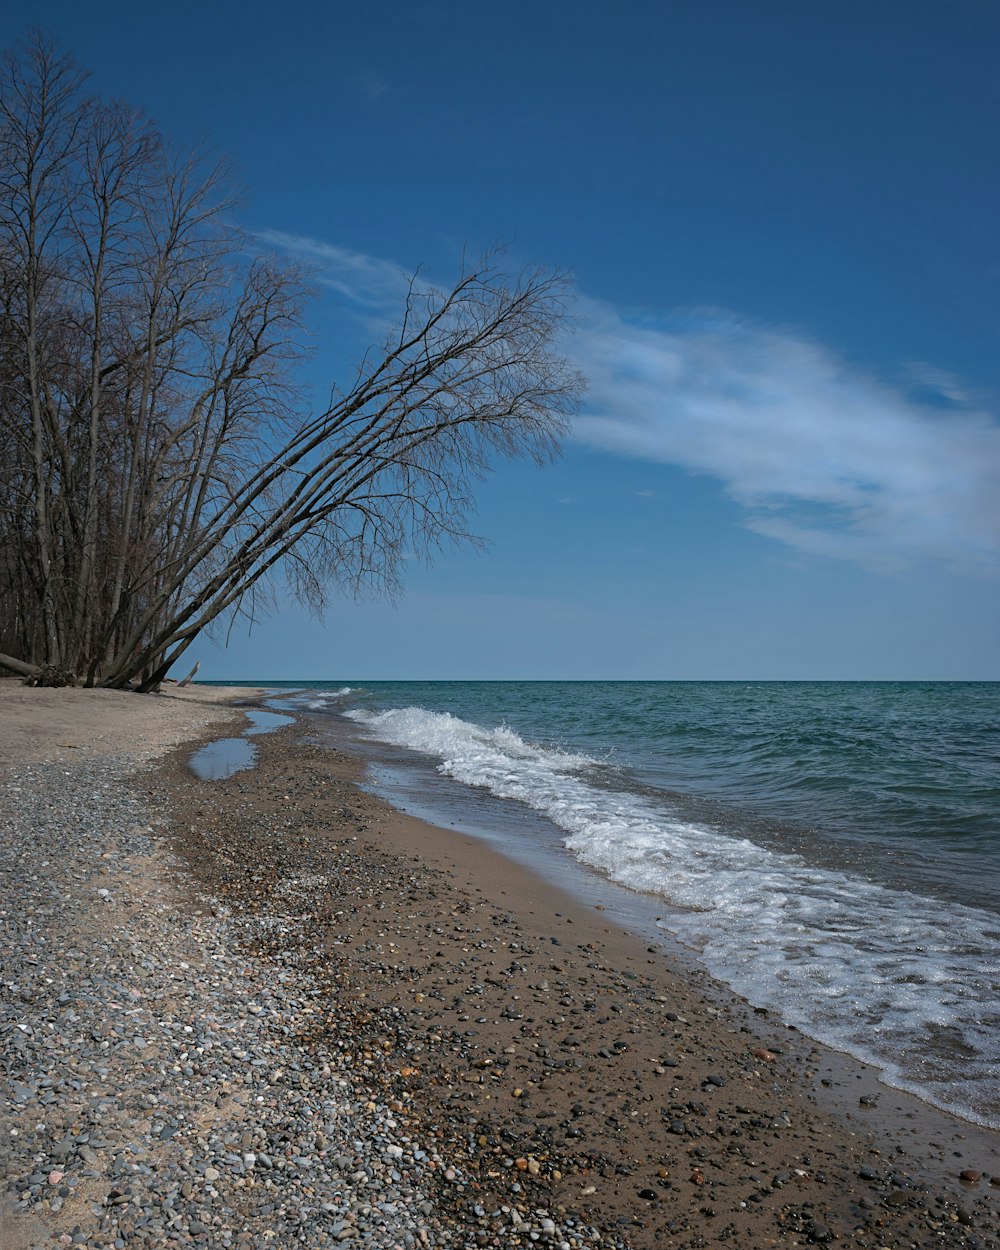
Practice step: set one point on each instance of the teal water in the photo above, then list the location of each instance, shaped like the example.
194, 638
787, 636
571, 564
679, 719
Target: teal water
830, 850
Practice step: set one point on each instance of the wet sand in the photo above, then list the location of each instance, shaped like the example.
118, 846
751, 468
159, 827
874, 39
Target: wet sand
556, 1060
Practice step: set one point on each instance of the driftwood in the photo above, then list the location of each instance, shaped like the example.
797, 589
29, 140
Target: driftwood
190, 675
17, 666
46, 675
49, 675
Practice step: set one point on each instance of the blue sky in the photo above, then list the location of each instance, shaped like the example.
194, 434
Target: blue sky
781, 221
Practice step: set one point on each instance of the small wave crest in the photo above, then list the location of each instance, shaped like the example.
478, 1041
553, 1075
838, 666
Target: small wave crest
903, 981
322, 699
469, 752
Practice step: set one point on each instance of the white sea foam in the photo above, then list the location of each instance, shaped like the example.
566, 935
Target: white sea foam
321, 700
909, 983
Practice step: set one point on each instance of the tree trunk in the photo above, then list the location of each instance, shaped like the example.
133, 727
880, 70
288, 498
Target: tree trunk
17, 666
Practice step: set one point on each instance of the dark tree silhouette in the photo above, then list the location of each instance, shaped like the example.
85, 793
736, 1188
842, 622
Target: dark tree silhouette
156, 463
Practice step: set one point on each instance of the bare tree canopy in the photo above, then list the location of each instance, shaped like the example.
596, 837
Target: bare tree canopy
156, 463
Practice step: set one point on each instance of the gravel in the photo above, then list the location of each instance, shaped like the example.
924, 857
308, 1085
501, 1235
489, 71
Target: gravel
157, 1095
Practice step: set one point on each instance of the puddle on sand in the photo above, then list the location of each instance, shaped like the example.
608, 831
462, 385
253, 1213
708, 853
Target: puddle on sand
265, 722
218, 760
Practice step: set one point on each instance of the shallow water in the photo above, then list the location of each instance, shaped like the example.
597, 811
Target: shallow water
265, 722
216, 761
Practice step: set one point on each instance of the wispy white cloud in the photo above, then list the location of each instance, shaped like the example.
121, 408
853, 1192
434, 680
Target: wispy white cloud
823, 456
367, 280
369, 84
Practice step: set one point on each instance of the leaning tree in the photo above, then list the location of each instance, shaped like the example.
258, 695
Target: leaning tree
157, 464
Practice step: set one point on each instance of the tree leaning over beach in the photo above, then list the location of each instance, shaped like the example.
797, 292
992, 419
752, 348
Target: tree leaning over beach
158, 467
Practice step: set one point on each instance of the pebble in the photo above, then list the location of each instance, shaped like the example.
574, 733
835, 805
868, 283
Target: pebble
168, 1074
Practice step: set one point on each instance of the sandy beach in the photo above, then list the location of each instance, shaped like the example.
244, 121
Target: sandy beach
381, 1005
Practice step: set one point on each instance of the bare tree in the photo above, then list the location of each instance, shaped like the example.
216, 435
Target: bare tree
156, 466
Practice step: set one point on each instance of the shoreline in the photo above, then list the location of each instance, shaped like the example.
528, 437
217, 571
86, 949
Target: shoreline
461, 1004
845, 1078
530, 1055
